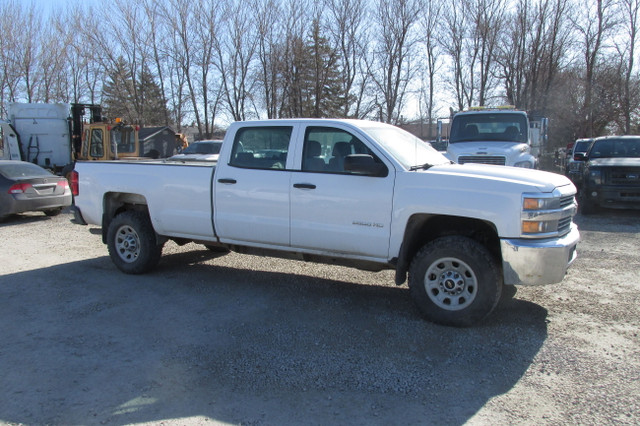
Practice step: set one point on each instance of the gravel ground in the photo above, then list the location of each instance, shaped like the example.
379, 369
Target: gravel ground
236, 339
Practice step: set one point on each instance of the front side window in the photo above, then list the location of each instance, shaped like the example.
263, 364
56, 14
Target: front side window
261, 147
326, 148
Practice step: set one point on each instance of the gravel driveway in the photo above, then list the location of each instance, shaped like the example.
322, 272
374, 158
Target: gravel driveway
246, 340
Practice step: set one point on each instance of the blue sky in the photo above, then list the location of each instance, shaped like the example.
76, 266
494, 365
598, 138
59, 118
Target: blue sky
47, 6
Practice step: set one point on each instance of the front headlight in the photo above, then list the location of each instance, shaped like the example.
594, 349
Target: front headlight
524, 164
546, 215
595, 176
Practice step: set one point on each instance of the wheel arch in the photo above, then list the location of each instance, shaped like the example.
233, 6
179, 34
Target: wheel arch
424, 228
115, 203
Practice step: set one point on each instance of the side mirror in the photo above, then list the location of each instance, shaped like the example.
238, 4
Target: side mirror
580, 156
364, 164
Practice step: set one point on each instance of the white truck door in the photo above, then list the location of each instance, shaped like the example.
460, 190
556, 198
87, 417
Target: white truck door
252, 190
336, 211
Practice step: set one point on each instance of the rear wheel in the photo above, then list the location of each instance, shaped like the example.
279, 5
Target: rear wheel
455, 281
132, 243
53, 212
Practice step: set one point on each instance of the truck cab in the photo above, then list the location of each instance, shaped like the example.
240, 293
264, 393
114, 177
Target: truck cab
503, 136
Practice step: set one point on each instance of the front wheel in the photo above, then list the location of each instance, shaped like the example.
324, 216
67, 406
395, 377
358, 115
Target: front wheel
586, 206
132, 244
455, 281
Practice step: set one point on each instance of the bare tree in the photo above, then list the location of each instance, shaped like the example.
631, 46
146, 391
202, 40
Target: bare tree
346, 22
235, 51
629, 10
430, 25
488, 24
533, 51
157, 46
27, 50
453, 39
10, 17
193, 25
270, 36
292, 59
593, 24
396, 24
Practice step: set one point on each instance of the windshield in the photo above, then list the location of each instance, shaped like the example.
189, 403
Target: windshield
122, 137
615, 148
489, 127
407, 149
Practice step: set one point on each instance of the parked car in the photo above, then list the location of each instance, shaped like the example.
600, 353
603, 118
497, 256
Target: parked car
27, 187
205, 150
573, 169
611, 175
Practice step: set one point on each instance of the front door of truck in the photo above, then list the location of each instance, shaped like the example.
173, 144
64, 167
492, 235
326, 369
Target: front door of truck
334, 210
252, 191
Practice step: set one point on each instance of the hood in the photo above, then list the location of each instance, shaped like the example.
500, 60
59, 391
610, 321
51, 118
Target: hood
615, 162
542, 181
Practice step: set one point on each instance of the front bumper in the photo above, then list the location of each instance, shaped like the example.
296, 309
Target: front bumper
615, 197
534, 262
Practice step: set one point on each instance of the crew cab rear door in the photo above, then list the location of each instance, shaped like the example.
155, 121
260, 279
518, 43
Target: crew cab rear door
252, 185
334, 210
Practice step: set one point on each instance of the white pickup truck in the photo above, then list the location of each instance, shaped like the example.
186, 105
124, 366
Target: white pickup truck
355, 193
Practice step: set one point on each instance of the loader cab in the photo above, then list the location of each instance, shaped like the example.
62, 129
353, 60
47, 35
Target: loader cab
103, 141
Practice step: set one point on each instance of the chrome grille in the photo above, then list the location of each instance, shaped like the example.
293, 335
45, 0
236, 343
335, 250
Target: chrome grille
564, 225
566, 201
628, 176
482, 159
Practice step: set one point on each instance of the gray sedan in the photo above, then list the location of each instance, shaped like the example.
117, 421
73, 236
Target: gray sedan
27, 187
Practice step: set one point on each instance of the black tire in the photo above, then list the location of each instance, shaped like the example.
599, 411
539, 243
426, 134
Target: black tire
586, 206
132, 244
53, 212
455, 281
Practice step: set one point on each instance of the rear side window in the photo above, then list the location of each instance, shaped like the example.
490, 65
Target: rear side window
261, 147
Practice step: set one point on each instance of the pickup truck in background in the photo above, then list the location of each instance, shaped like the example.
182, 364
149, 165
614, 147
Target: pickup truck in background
610, 174
349, 192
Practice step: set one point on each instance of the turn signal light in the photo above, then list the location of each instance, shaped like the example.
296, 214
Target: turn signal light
533, 203
532, 227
